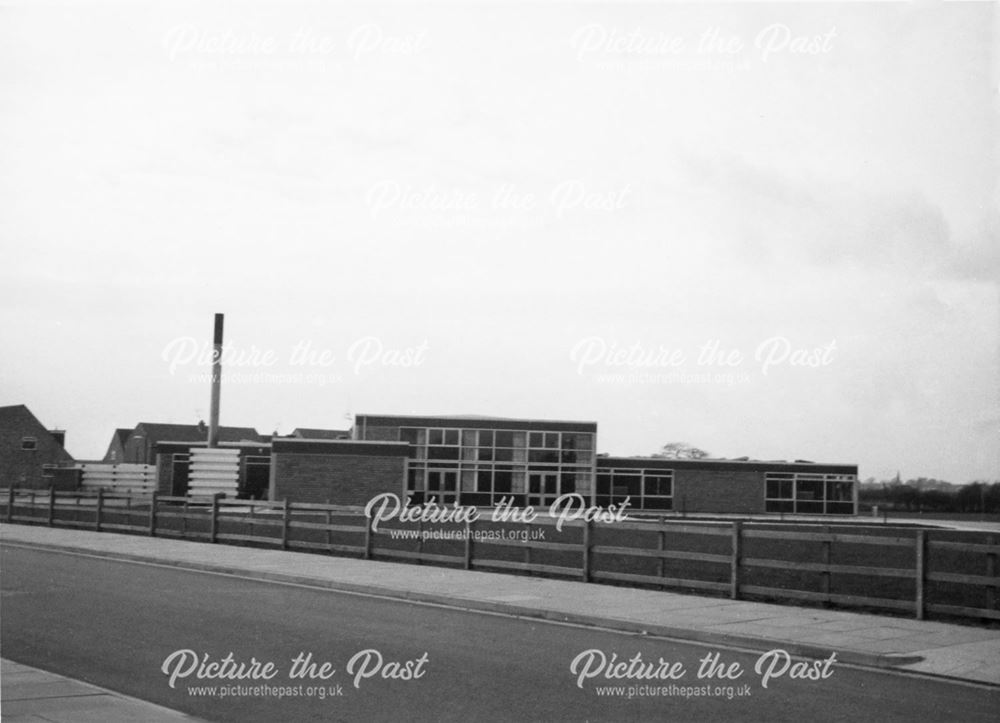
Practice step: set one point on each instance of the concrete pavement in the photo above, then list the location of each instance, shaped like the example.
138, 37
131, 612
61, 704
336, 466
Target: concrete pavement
30, 695
942, 649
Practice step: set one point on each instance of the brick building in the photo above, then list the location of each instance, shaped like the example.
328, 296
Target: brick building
479, 460
31, 456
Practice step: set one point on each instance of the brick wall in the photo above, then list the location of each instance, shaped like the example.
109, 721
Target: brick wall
342, 479
23, 467
379, 434
738, 492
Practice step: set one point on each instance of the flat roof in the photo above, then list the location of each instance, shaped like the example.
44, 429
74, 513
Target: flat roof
357, 447
722, 465
250, 444
474, 422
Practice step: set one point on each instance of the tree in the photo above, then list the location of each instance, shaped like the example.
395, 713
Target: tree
680, 450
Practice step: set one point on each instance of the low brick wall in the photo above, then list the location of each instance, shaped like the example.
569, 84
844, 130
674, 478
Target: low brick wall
338, 472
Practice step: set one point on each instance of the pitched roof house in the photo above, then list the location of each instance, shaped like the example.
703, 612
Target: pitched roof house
140, 444
28, 451
116, 450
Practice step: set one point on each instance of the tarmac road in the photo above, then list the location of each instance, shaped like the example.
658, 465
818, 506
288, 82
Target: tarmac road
114, 623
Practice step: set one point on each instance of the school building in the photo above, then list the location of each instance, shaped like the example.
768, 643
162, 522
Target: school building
480, 460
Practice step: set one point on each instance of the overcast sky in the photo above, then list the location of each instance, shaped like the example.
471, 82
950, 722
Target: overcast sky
766, 230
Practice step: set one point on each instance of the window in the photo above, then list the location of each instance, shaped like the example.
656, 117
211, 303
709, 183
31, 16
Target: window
442, 485
809, 493
839, 496
491, 464
442, 437
626, 484
657, 490
417, 438
603, 489
543, 488
443, 444
48, 470
779, 492
29, 443
545, 456
442, 452
502, 483
477, 487
645, 489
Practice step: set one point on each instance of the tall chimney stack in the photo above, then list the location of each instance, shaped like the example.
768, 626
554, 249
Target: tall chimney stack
213, 419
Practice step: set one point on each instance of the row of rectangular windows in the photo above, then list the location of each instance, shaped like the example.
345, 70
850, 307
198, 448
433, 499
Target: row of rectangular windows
487, 485
486, 479
809, 493
646, 489
494, 438
490, 454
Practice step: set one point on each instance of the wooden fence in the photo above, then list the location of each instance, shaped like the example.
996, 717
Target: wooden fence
913, 571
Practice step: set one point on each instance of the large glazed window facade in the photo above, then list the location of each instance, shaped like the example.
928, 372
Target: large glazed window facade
830, 494
645, 489
483, 466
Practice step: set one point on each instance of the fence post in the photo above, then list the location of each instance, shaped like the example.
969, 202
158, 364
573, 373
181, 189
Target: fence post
152, 515
586, 550
826, 562
10, 504
991, 571
527, 547
213, 534
368, 539
468, 544
52, 505
329, 533
921, 571
284, 525
661, 545
100, 507
734, 573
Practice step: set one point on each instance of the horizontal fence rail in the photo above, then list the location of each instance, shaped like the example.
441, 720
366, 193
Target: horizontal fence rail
908, 570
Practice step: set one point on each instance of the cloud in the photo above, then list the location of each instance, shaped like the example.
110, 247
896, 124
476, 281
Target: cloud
771, 215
